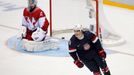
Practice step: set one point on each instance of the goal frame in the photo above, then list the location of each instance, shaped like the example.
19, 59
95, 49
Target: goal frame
112, 39
97, 17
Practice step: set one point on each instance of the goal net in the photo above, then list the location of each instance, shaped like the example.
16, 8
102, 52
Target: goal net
89, 13
103, 29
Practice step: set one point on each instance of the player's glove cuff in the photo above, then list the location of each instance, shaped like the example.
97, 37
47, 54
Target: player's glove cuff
78, 63
102, 54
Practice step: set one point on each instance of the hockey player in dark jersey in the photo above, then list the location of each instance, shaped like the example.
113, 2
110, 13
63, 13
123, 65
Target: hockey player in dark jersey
85, 48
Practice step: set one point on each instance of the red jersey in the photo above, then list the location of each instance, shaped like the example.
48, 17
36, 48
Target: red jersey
33, 20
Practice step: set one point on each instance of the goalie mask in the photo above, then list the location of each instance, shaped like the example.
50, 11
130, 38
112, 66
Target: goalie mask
32, 5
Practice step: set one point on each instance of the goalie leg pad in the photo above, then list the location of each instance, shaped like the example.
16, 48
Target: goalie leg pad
48, 44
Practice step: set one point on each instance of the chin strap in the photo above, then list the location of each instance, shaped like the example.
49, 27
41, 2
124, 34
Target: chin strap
80, 37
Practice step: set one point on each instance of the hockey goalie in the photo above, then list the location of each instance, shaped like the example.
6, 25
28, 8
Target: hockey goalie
34, 29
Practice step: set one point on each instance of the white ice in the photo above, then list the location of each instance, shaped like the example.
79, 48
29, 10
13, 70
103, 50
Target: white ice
65, 14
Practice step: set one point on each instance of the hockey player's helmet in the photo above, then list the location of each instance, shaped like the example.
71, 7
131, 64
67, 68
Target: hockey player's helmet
78, 31
78, 27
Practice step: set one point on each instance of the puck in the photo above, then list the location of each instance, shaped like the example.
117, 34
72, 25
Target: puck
63, 38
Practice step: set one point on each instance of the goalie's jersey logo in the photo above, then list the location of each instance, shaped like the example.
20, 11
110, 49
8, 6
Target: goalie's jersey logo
31, 23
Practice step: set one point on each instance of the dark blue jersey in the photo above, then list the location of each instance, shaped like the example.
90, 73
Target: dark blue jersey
86, 48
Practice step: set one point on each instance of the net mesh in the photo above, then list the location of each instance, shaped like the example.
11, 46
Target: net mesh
109, 36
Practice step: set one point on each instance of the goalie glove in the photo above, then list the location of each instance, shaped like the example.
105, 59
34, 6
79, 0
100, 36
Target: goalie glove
78, 63
39, 35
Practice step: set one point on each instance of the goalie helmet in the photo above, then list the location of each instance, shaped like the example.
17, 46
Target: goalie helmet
32, 4
38, 35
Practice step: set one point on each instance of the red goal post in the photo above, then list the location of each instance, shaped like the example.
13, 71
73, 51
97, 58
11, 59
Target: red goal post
50, 6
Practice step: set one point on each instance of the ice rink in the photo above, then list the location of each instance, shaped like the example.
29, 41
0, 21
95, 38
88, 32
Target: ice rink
66, 13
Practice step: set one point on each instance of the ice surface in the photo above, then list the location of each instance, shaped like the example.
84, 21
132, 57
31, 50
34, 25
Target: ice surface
62, 51
13, 62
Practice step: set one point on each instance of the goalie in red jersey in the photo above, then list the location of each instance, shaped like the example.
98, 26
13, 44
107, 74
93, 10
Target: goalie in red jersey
34, 25
34, 22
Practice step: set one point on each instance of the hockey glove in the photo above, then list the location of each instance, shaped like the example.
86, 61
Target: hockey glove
39, 35
102, 54
78, 63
